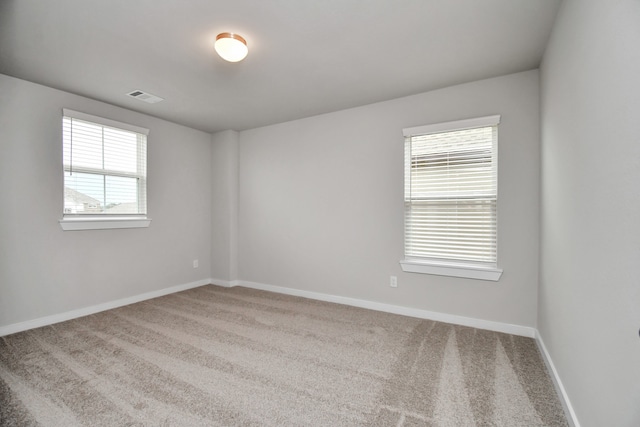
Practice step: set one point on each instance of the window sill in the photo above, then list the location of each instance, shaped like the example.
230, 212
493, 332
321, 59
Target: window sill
453, 270
74, 224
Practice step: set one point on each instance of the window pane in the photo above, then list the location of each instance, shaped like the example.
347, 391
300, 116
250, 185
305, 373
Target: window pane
122, 195
120, 150
83, 193
84, 144
450, 229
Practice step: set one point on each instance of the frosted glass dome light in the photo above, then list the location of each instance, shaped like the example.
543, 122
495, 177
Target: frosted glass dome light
231, 47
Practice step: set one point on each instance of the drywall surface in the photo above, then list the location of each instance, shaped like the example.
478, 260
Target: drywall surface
321, 209
46, 271
224, 214
589, 302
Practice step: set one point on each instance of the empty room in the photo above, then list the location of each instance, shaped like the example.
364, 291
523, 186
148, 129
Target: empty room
320, 213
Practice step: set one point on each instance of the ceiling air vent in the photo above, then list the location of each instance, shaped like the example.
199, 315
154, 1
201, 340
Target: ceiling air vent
144, 96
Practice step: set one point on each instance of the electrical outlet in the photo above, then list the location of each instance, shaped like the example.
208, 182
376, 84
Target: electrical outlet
393, 282
195, 263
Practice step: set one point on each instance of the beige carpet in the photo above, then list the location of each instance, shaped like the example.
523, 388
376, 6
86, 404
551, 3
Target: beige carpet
214, 356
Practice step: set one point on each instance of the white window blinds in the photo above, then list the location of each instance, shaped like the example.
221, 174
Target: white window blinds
105, 166
451, 191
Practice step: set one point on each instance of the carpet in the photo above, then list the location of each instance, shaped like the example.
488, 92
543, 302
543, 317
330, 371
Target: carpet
214, 356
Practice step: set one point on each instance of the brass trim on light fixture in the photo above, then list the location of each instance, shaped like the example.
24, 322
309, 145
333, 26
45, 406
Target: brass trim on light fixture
231, 36
231, 47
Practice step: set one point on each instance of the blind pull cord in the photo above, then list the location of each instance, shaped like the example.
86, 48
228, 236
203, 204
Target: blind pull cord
71, 150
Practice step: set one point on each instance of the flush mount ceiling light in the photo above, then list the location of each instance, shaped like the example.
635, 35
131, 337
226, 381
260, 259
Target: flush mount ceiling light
231, 47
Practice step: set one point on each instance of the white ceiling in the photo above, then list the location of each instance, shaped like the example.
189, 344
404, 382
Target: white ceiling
305, 57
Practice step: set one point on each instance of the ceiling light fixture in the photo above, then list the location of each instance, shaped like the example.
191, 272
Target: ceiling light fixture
231, 47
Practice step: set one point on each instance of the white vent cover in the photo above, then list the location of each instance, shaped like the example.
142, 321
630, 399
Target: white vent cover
145, 96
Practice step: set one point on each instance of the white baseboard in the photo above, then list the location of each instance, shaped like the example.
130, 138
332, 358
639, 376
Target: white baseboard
564, 397
372, 305
405, 311
225, 283
73, 314
430, 315
388, 308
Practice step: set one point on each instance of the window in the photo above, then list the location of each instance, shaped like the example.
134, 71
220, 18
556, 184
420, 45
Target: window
451, 196
105, 173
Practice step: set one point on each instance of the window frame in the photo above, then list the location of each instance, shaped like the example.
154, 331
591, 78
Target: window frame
449, 267
101, 221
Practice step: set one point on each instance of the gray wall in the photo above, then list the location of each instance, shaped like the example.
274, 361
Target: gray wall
589, 303
321, 202
224, 166
46, 271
